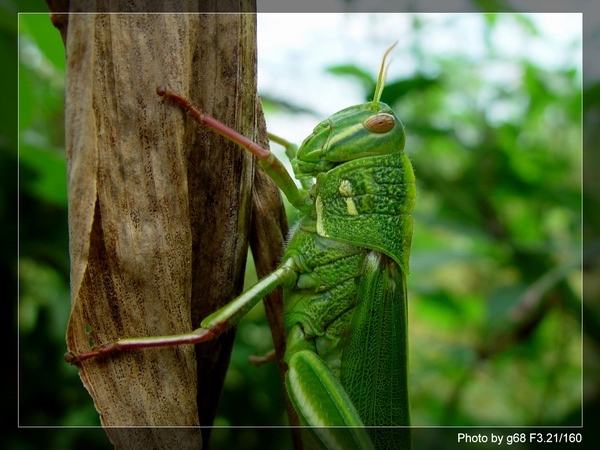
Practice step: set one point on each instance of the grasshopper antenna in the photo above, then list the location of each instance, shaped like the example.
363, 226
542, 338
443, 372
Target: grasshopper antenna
382, 74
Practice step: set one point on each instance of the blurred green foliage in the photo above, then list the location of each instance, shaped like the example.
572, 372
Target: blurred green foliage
496, 279
495, 284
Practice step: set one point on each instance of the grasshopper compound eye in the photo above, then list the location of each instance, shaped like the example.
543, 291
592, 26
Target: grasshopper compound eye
380, 123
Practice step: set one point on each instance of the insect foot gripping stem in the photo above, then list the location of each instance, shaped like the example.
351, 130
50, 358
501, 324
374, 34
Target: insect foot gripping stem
267, 160
195, 337
214, 124
107, 349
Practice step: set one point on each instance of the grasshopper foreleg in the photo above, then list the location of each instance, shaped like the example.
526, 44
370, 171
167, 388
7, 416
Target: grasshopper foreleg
210, 327
267, 160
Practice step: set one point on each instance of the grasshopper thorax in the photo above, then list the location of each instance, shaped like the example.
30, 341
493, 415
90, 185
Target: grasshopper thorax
368, 129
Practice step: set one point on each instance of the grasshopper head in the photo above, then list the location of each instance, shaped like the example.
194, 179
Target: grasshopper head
363, 130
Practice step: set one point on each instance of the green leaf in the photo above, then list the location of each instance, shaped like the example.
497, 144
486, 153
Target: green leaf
397, 90
364, 77
43, 174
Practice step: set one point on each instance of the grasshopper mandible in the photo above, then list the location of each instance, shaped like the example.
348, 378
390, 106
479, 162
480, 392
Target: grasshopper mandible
343, 275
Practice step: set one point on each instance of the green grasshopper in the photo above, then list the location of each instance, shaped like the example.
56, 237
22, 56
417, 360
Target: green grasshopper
343, 275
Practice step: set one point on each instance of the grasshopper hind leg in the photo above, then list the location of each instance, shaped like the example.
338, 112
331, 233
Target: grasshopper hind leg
321, 401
